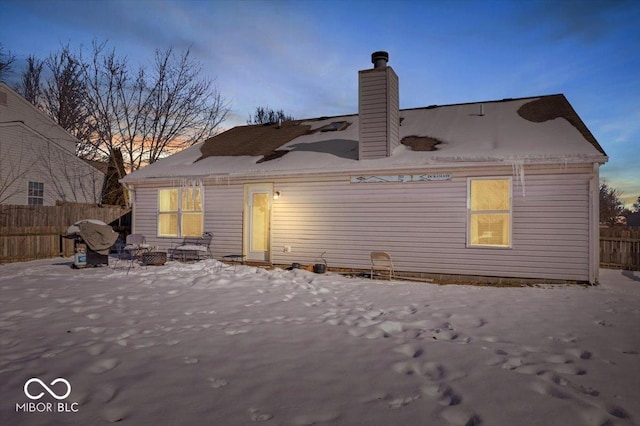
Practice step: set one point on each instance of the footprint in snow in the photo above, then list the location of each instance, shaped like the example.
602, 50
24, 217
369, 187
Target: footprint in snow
114, 414
409, 349
257, 416
104, 365
550, 390
441, 393
107, 392
233, 332
569, 369
315, 418
461, 416
400, 402
429, 370
579, 353
217, 383
567, 384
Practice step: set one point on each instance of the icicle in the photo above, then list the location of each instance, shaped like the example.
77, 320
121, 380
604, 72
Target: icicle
518, 174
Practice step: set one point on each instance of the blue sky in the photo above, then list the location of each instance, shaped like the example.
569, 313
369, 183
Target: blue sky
303, 56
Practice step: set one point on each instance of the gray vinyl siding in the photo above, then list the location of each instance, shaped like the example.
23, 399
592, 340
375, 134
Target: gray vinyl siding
393, 99
223, 206
422, 225
379, 113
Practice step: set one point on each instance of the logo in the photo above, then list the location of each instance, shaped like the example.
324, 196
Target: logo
35, 384
47, 388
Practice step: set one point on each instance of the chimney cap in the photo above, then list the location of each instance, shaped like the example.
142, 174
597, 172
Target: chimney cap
379, 59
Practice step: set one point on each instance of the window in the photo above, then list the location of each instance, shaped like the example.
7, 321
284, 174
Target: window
36, 193
489, 213
180, 212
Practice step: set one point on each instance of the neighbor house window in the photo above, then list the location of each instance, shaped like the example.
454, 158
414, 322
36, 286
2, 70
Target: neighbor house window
180, 212
36, 193
489, 212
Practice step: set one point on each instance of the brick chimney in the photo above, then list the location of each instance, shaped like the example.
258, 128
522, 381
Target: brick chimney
378, 107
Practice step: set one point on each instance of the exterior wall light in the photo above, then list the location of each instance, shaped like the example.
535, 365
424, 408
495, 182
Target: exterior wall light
276, 195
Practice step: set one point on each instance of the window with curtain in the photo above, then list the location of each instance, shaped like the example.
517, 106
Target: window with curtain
489, 213
180, 212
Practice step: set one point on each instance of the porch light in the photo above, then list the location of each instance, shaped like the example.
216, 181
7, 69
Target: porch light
276, 195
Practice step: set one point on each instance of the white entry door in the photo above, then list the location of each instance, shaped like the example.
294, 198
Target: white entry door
257, 221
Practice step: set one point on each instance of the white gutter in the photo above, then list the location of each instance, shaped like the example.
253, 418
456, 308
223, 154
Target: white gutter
432, 164
594, 225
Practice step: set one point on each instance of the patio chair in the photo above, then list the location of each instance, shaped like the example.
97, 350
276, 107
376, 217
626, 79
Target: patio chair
194, 248
135, 246
381, 261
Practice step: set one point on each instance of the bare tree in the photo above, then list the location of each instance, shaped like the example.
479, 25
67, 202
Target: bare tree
29, 85
183, 107
113, 192
64, 95
144, 114
266, 115
149, 115
6, 61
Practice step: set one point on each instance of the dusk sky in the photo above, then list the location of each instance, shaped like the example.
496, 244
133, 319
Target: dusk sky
303, 56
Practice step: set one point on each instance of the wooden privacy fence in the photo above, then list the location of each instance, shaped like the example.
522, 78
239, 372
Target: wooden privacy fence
620, 248
35, 232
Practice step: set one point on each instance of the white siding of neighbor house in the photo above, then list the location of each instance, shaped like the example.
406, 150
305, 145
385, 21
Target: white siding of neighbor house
26, 155
34, 148
422, 225
17, 109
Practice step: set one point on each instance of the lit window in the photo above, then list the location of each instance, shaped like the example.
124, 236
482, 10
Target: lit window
36, 193
489, 213
180, 212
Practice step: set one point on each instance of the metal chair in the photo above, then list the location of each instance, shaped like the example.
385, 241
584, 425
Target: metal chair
381, 261
136, 245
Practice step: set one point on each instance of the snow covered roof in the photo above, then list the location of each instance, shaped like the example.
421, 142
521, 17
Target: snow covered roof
543, 129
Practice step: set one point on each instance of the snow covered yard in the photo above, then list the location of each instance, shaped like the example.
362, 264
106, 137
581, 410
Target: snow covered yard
200, 344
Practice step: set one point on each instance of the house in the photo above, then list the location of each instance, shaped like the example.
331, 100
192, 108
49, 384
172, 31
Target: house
38, 164
505, 188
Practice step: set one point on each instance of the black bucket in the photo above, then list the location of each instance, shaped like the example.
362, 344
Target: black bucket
320, 268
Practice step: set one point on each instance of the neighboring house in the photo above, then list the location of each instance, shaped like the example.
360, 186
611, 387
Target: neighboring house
38, 164
505, 188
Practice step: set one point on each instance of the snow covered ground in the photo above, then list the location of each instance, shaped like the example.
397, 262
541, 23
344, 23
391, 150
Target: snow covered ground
203, 344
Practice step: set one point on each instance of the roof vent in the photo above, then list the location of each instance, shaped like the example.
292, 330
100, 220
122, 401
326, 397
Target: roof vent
379, 59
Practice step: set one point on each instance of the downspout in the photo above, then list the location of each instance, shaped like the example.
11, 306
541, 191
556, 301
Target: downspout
594, 225
131, 198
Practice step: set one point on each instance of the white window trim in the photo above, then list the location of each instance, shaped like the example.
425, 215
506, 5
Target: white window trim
483, 246
178, 212
30, 197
